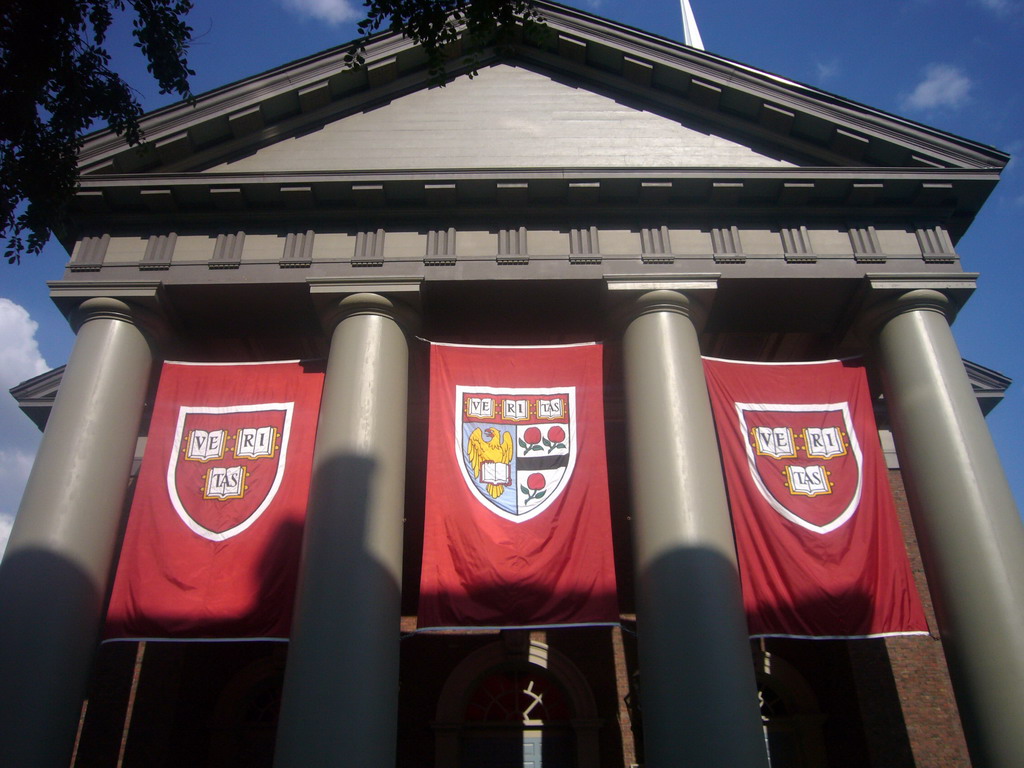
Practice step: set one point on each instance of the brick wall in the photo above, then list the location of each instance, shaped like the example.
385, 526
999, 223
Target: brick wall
919, 670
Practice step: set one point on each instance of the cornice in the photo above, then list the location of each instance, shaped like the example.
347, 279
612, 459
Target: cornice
35, 396
985, 379
949, 196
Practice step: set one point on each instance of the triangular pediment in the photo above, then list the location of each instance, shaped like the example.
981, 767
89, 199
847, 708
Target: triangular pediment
689, 107
507, 116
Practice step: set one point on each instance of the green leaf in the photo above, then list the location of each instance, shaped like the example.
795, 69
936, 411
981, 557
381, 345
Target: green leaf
57, 55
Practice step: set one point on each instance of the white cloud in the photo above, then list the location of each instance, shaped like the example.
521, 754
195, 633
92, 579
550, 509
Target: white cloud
5, 533
15, 465
1015, 150
19, 353
827, 69
999, 6
943, 86
331, 11
19, 360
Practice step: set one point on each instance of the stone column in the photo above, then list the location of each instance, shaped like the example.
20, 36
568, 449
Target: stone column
697, 686
56, 572
968, 527
340, 703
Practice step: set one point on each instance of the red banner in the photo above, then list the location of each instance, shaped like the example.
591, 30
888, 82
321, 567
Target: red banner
819, 545
518, 528
214, 534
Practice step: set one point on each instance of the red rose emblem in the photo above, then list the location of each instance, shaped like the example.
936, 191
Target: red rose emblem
534, 488
555, 438
530, 440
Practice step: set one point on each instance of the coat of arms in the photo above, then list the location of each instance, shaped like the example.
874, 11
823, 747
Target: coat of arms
226, 465
805, 460
516, 448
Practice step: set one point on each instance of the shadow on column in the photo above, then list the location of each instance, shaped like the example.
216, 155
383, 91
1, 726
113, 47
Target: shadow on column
696, 683
690, 595
341, 680
42, 703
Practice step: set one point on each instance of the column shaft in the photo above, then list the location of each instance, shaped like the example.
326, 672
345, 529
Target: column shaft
340, 702
969, 529
55, 574
697, 686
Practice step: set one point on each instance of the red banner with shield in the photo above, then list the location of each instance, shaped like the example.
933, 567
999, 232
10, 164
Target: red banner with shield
214, 533
819, 545
518, 528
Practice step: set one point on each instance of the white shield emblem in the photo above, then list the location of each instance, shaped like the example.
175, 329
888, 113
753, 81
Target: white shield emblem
226, 465
516, 448
805, 460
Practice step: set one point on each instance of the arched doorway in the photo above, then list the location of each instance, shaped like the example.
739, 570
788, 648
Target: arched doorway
517, 718
516, 703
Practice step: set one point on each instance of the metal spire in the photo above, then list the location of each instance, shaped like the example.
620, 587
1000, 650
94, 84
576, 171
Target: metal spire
691, 35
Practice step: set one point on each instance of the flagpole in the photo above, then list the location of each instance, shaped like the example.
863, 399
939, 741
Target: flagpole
691, 35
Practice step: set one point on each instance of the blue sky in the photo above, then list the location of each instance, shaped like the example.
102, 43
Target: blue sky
954, 64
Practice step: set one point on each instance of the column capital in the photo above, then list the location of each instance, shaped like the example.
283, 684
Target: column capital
367, 304
150, 320
101, 308
687, 304
886, 307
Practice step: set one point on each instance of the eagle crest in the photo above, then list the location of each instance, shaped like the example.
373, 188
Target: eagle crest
497, 449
